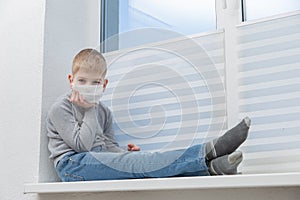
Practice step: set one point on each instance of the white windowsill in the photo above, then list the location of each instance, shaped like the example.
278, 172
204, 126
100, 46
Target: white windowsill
201, 182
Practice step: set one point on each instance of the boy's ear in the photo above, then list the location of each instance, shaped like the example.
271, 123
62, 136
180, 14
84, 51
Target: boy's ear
105, 82
70, 78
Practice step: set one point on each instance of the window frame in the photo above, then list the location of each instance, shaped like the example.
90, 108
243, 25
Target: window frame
111, 17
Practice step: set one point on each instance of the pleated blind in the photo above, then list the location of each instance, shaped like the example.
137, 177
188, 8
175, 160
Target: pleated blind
168, 95
171, 94
269, 92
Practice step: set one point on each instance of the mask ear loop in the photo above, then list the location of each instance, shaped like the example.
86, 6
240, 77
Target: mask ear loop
100, 91
100, 86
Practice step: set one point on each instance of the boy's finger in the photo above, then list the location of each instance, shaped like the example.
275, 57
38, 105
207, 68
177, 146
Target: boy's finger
133, 147
130, 147
72, 96
80, 98
136, 148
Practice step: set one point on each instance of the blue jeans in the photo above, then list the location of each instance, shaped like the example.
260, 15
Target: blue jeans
101, 165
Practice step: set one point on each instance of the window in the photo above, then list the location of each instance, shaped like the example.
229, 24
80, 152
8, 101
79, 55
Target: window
181, 16
120, 19
255, 9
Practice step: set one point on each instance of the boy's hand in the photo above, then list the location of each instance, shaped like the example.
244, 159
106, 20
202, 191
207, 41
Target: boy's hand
133, 147
77, 99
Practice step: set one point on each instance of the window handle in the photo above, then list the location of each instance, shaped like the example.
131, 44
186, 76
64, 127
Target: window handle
224, 4
231, 4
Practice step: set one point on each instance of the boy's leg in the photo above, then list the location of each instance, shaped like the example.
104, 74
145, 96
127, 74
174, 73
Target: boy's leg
229, 142
107, 166
225, 165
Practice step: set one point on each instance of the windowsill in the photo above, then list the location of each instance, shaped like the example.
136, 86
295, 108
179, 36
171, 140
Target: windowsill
201, 182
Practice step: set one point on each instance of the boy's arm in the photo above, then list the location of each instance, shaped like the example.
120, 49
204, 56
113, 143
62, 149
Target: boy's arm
111, 143
79, 136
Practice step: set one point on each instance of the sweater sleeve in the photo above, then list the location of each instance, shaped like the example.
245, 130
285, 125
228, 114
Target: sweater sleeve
111, 143
79, 136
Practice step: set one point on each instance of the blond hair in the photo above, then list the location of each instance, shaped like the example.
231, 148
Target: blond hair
89, 59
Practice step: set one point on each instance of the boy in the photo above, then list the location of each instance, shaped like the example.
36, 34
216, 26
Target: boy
82, 144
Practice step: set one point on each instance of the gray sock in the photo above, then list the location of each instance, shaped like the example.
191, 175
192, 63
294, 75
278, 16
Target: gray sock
225, 165
229, 142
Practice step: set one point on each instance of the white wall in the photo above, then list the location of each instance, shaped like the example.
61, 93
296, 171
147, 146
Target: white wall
33, 73
21, 61
70, 25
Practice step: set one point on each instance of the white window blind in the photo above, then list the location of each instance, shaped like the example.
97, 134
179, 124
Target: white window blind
269, 92
152, 93
168, 95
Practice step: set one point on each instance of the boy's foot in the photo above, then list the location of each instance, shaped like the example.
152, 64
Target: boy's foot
225, 165
229, 142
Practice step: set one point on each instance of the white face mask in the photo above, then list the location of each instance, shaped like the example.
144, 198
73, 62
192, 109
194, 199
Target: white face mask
90, 93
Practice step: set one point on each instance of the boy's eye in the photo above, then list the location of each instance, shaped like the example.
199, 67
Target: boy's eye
81, 80
97, 82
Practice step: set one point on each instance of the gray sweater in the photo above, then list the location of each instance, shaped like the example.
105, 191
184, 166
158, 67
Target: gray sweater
73, 128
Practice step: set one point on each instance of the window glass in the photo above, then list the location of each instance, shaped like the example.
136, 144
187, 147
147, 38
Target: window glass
181, 16
256, 9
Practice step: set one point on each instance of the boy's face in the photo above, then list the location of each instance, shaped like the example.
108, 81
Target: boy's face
88, 77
